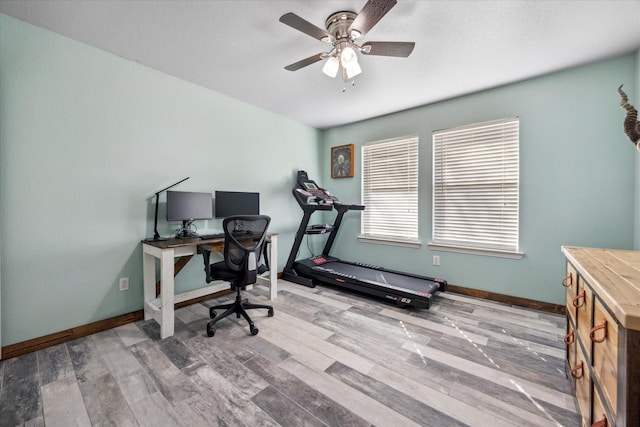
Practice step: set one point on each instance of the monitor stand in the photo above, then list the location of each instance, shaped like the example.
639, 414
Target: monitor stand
185, 232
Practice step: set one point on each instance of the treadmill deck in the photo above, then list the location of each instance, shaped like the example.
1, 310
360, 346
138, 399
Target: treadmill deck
402, 288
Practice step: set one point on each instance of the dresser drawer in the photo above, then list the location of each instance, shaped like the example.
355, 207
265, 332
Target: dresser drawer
583, 303
570, 341
599, 417
570, 282
604, 336
580, 373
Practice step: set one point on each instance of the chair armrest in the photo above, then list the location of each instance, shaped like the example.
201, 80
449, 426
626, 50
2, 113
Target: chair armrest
265, 250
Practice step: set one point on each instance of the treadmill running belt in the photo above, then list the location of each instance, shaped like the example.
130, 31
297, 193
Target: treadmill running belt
380, 277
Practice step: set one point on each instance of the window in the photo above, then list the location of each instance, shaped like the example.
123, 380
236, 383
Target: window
475, 188
390, 191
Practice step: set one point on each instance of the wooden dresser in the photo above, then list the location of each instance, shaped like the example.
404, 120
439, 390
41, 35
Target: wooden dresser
603, 334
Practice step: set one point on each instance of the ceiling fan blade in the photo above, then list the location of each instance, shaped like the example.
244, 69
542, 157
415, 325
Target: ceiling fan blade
307, 61
402, 49
371, 13
294, 21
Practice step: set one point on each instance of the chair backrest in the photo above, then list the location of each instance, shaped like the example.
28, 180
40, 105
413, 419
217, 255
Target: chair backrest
245, 237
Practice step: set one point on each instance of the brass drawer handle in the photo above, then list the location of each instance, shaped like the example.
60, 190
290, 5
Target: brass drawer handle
593, 330
574, 372
569, 338
568, 281
578, 300
602, 423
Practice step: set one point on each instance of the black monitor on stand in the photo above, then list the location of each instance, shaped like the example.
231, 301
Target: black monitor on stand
230, 203
156, 236
188, 206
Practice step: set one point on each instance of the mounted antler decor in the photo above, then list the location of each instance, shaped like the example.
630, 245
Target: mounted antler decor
631, 124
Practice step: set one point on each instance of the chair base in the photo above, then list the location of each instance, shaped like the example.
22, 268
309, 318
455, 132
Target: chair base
239, 307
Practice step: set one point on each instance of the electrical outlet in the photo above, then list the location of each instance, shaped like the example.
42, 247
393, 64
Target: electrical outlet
436, 260
124, 283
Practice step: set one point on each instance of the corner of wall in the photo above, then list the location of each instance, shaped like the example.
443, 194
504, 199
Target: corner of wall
636, 212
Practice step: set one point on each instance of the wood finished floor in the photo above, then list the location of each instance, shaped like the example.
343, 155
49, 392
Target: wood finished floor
327, 358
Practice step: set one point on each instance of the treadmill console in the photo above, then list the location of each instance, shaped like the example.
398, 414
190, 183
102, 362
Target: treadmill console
309, 193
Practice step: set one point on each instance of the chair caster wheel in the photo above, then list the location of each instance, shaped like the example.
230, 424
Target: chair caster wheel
210, 331
270, 312
254, 330
212, 313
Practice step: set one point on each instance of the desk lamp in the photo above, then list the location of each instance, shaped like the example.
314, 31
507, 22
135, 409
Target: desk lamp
156, 236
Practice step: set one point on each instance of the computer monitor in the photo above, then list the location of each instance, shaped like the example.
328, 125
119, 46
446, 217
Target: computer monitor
187, 206
230, 203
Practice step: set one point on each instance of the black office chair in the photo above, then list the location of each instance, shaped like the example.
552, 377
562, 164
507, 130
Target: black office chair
244, 259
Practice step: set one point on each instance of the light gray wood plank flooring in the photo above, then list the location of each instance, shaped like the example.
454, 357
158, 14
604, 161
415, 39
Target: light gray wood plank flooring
327, 358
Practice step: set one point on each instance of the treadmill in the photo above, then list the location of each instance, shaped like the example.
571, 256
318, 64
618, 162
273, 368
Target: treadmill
403, 289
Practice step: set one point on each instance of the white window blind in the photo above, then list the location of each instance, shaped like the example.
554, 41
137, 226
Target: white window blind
475, 186
390, 189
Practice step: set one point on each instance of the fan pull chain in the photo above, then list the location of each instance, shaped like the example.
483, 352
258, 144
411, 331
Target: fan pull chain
353, 83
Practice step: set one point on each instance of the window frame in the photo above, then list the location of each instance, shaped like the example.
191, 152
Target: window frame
492, 196
373, 228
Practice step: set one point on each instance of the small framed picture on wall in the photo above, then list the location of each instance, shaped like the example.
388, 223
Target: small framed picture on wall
342, 161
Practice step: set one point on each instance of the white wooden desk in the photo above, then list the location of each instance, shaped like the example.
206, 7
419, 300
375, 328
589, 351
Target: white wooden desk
161, 307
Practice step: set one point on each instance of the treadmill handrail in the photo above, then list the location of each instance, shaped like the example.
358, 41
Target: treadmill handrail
340, 205
341, 209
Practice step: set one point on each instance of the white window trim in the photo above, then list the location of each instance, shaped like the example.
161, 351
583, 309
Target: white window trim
393, 242
451, 242
397, 240
476, 251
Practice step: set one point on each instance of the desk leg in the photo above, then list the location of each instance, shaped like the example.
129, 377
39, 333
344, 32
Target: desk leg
149, 280
273, 274
166, 293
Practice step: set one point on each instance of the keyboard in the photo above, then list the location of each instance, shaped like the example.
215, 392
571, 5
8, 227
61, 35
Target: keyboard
221, 235
212, 236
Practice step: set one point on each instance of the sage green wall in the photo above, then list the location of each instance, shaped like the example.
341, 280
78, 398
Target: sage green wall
576, 177
86, 139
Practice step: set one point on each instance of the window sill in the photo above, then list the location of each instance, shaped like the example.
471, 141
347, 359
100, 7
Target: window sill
390, 241
476, 251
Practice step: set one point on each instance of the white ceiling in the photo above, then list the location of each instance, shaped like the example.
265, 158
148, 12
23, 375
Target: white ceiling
239, 48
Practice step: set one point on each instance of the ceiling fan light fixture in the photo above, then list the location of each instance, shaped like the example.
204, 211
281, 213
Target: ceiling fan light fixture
348, 56
353, 70
331, 67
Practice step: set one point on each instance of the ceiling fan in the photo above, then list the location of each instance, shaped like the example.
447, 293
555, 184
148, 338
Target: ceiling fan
342, 31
